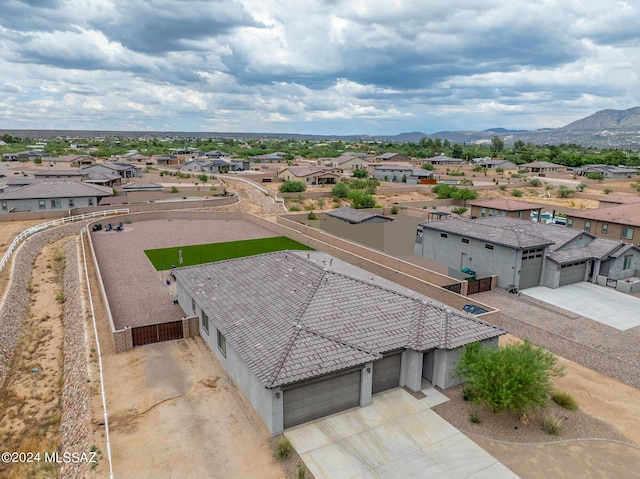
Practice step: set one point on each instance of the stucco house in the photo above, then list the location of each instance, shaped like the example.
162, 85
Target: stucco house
207, 166
311, 175
354, 216
398, 172
542, 167
52, 195
493, 163
348, 161
115, 170
395, 157
524, 254
608, 171
482, 208
443, 160
72, 160
616, 222
304, 335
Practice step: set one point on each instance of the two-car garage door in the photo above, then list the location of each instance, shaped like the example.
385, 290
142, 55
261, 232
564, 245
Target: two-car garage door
318, 398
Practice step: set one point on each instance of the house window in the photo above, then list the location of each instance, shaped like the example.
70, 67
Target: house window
222, 344
488, 246
483, 213
193, 305
71, 203
519, 214
570, 222
503, 213
605, 228
587, 226
465, 240
627, 262
56, 204
205, 321
444, 235
90, 201
627, 233
4, 206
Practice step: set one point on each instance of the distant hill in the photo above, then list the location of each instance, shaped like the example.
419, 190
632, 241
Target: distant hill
604, 129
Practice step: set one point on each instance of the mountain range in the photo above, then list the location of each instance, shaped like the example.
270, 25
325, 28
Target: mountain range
616, 129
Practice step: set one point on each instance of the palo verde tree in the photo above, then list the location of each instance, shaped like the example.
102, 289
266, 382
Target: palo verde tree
515, 377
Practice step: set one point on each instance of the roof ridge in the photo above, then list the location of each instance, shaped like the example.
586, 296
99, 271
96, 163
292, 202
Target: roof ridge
280, 363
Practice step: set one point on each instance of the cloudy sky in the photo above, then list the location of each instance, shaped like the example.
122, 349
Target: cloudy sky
315, 66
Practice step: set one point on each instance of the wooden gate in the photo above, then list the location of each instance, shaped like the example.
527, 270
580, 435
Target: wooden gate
479, 286
156, 333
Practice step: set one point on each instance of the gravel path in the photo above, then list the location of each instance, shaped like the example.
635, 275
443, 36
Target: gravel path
137, 293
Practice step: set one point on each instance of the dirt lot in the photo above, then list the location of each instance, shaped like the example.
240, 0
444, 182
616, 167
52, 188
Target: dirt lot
181, 416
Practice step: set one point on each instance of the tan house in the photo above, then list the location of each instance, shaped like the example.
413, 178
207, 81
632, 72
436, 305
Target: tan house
348, 161
542, 167
311, 175
503, 207
621, 222
615, 199
72, 160
394, 157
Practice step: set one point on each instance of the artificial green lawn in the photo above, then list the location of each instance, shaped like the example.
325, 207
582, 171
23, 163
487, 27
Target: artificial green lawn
163, 258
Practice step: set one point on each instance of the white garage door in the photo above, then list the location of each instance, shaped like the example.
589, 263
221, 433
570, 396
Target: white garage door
572, 273
321, 397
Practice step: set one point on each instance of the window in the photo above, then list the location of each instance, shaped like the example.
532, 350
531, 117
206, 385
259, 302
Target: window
56, 204
205, 321
444, 235
519, 214
4, 206
627, 262
193, 305
627, 233
222, 344
71, 204
488, 246
465, 240
483, 213
605, 228
503, 213
587, 226
90, 202
42, 204
570, 222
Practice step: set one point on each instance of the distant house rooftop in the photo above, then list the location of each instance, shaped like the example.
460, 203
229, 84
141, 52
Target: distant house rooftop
354, 216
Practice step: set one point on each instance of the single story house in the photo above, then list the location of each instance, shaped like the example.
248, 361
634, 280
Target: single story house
616, 222
217, 154
443, 160
276, 157
608, 171
72, 160
304, 335
52, 195
166, 160
615, 200
207, 166
238, 164
398, 173
61, 174
503, 207
524, 254
138, 187
115, 170
354, 216
395, 157
493, 163
311, 175
542, 167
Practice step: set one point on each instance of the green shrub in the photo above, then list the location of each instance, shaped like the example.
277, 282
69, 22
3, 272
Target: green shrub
592, 175
552, 424
340, 190
302, 471
503, 187
459, 211
535, 182
473, 417
310, 207
427, 166
565, 400
288, 186
607, 191
516, 193
564, 192
174, 189
294, 208
60, 297
312, 216
394, 210
456, 173
284, 449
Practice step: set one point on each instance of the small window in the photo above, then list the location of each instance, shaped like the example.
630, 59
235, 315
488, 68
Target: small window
465, 240
71, 203
570, 222
56, 204
488, 246
483, 213
503, 213
587, 226
605, 228
90, 201
627, 233
193, 305
222, 344
627, 262
42, 204
519, 214
444, 235
4, 206
205, 321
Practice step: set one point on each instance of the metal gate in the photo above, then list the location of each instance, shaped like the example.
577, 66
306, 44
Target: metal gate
479, 285
156, 333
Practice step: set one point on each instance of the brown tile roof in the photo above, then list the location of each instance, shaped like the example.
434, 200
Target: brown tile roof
57, 189
620, 199
627, 214
291, 319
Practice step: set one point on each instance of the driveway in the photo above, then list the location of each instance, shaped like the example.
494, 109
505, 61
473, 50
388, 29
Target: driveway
396, 436
605, 305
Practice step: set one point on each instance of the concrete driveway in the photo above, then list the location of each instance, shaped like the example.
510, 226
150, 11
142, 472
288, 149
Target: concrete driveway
605, 305
396, 436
